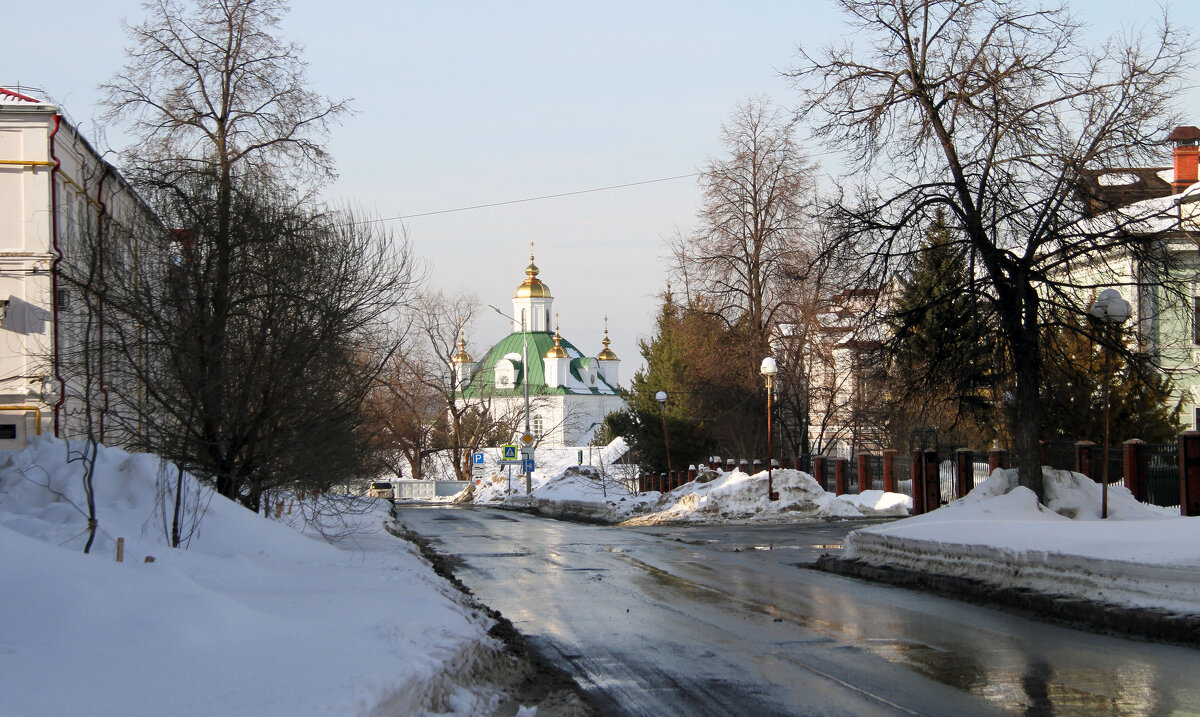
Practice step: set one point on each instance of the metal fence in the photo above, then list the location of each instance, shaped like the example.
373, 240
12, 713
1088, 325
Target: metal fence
1162, 474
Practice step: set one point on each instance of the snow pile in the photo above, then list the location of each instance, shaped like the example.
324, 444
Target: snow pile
253, 618
740, 497
549, 462
1000, 534
589, 493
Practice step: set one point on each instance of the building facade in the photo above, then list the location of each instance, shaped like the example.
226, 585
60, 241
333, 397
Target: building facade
59, 200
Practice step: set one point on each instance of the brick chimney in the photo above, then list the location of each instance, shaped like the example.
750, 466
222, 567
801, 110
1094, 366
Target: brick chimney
1187, 157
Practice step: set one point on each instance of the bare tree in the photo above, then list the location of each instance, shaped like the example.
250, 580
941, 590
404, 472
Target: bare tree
990, 110
217, 103
757, 200
209, 82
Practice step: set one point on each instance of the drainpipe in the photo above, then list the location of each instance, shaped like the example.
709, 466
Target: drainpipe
56, 368
100, 294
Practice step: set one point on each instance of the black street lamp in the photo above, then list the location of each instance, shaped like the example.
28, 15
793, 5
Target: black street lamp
661, 397
1113, 311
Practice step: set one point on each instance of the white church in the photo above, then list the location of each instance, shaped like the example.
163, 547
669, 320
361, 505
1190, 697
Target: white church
569, 393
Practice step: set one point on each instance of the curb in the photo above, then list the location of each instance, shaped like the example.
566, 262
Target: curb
1150, 624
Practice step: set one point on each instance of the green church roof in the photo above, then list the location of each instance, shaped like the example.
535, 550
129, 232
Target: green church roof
539, 343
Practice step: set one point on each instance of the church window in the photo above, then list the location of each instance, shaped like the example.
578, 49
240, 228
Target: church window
536, 426
523, 324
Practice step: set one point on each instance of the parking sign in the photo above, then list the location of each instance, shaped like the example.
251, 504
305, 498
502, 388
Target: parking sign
478, 458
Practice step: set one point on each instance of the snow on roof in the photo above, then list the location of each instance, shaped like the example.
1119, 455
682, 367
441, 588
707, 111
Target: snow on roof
1149, 216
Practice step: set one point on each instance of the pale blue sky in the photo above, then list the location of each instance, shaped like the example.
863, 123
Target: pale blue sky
460, 104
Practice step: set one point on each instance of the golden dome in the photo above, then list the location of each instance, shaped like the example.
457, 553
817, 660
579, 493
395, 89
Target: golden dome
558, 351
532, 287
462, 356
606, 354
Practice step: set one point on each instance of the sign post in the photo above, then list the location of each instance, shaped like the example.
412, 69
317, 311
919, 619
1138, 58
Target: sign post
527, 466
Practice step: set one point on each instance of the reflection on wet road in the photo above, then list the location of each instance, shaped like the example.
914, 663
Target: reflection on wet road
722, 620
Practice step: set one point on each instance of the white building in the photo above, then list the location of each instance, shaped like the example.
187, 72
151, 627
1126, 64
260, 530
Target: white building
56, 193
569, 393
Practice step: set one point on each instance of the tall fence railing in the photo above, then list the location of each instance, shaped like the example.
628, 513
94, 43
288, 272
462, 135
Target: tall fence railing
937, 475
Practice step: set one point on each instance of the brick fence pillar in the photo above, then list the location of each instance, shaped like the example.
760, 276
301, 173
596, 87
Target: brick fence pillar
1085, 458
1042, 461
691, 473
889, 470
964, 471
819, 471
918, 482
864, 473
997, 458
933, 480
839, 476
1134, 465
1189, 473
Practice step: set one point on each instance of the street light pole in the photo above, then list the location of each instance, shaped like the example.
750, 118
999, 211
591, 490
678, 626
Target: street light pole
1112, 311
524, 377
661, 397
768, 370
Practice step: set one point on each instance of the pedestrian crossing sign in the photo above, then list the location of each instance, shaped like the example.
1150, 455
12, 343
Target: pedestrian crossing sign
509, 453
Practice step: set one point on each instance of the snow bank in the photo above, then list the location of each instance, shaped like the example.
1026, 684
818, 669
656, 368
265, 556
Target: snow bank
739, 497
590, 493
253, 618
1000, 534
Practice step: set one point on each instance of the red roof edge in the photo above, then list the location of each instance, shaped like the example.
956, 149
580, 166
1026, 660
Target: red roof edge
18, 96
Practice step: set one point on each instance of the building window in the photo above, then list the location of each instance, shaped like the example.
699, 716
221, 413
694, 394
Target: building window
1196, 319
536, 426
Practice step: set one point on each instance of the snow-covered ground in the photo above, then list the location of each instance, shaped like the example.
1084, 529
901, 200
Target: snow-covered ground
715, 497
1141, 556
255, 617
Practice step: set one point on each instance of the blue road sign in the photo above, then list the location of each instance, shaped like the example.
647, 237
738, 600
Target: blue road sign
478, 458
528, 466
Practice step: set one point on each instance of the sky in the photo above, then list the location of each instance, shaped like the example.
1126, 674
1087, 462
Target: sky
471, 103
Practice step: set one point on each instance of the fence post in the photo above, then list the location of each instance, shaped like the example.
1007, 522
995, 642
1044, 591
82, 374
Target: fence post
964, 471
933, 481
1085, 458
918, 482
1133, 462
691, 473
839, 476
1189, 473
997, 458
1042, 454
819, 471
889, 470
864, 473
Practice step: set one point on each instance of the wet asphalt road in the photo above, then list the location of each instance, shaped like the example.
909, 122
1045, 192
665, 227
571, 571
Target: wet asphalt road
721, 620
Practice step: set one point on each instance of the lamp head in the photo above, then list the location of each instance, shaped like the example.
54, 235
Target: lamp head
661, 397
1110, 307
768, 367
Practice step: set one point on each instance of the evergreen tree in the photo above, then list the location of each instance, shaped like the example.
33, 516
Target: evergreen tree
940, 358
1073, 390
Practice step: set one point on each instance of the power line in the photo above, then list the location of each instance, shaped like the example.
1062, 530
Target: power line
530, 199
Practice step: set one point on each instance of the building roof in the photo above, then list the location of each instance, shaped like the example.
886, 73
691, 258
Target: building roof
540, 342
1103, 190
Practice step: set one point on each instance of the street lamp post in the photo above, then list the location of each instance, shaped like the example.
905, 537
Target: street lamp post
524, 376
1112, 311
768, 370
661, 397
